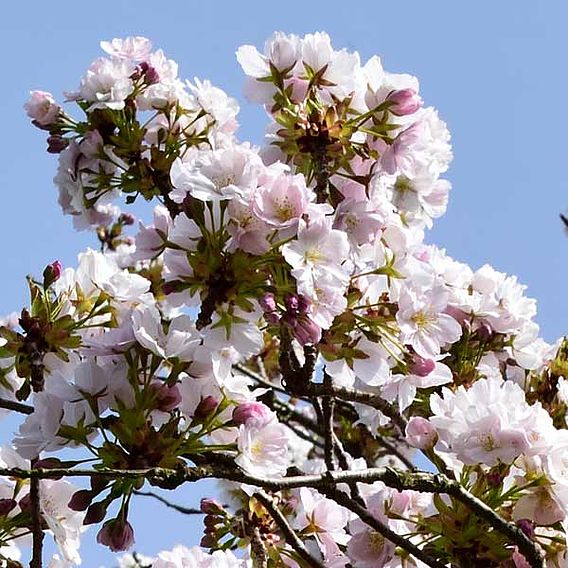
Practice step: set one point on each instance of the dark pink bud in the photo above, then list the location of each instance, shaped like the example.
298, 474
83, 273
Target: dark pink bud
248, 411
211, 507
420, 366
292, 302
305, 331
95, 513
205, 408
303, 304
484, 331
81, 500
527, 526
7, 505
117, 534
126, 219
268, 302
494, 478
405, 101
56, 144
51, 273
208, 541
166, 398
25, 503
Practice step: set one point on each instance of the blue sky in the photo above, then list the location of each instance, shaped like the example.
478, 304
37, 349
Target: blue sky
495, 70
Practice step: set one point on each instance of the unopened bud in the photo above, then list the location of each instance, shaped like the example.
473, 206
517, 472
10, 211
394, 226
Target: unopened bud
117, 534
484, 331
420, 433
420, 366
527, 526
126, 219
166, 397
56, 144
405, 102
211, 507
305, 331
51, 273
252, 411
95, 513
7, 505
205, 408
80, 500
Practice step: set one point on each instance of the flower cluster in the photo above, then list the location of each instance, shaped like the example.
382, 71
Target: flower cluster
281, 325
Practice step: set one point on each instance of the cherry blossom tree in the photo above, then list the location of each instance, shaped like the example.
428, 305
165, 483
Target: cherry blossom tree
364, 400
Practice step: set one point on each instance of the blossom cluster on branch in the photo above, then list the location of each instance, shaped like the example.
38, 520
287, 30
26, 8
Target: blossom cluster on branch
281, 326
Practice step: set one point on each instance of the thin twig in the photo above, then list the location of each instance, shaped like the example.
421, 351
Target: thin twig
289, 534
178, 508
16, 406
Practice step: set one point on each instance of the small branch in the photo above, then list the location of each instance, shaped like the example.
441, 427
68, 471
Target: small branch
289, 534
327, 411
393, 450
178, 508
37, 532
16, 406
366, 517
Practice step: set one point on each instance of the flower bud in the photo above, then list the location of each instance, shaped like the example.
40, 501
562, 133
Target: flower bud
420, 366
268, 302
95, 513
7, 505
166, 398
256, 411
305, 331
56, 144
126, 219
81, 500
211, 507
405, 102
292, 301
205, 408
527, 526
51, 273
485, 331
42, 108
420, 433
117, 534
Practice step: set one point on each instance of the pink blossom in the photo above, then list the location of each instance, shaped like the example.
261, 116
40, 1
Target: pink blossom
42, 108
420, 433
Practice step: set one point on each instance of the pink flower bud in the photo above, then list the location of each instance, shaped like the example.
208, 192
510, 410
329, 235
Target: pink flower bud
291, 301
420, 433
7, 505
420, 366
42, 108
205, 408
211, 507
248, 411
95, 513
484, 331
117, 534
527, 526
81, 500
306, 331
56, 144
51, 273
166, 398
405, 102
268, 302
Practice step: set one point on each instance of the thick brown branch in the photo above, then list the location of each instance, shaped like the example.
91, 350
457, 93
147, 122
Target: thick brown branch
37, 532
401, 480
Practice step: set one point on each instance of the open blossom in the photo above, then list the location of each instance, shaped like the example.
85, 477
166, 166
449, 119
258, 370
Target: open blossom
263, 448
136, 48
490, 422
423, 323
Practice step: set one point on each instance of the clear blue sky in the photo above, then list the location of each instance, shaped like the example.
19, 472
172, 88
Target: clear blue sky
495, 70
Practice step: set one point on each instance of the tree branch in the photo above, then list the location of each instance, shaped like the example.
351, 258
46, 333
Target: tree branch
401, 480
178, 508
16, 406
37, 532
